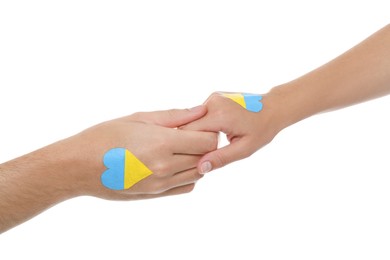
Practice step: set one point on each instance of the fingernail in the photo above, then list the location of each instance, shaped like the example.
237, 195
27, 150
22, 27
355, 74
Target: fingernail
196, 109
205, 167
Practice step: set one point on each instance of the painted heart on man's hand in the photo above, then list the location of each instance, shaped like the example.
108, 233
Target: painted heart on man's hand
124, 169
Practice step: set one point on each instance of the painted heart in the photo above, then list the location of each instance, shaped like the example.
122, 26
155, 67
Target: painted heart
251, 102
124, 169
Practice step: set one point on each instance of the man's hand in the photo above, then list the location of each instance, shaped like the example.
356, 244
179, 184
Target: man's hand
171, 154
73, 167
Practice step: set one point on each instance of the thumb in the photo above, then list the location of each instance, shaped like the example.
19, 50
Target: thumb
173, 117
223, 156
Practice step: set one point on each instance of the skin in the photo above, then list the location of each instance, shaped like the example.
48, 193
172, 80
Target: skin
72, 167
360, 74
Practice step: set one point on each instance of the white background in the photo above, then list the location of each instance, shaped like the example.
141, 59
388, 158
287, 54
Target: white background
319, 191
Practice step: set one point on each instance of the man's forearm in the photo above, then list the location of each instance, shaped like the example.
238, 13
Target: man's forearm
29, 185
76, 166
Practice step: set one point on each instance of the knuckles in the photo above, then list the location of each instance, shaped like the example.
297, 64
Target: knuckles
161, 170
137, 116
212, 141
220, 160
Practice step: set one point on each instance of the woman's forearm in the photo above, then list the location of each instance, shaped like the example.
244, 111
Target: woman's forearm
360, 74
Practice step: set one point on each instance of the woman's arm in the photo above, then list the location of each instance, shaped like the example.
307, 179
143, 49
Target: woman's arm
360, 74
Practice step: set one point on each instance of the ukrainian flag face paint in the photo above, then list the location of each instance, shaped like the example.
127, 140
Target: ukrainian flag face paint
251, 102
124, 169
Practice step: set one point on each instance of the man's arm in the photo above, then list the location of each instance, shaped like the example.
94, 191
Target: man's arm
33, 183
74, 166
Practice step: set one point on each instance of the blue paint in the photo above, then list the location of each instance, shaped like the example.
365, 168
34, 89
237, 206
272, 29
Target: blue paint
252, 102
114, 177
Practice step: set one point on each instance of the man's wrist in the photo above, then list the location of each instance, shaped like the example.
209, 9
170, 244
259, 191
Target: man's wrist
32, 183
56, 167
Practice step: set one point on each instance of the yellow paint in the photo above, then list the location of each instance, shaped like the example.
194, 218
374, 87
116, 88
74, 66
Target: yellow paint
236, 97
135, 170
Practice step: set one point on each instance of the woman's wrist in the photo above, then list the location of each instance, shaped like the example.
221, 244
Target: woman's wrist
289, 104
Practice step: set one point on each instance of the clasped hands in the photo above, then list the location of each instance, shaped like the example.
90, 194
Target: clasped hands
173, 149
178, 146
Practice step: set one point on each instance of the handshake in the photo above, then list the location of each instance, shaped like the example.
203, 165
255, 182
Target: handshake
144, 155
170, 150
153, 154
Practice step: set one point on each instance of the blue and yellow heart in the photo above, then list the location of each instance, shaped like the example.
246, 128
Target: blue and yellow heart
250, 102
124, 169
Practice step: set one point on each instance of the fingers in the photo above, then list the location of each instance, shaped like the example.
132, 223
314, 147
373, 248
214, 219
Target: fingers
177, 163
174, 191
180, 183
159, 183
203, 124
171, 118
222, 114
184, 178
182, 162
219, 158
179, 180
194, 142
178, 190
